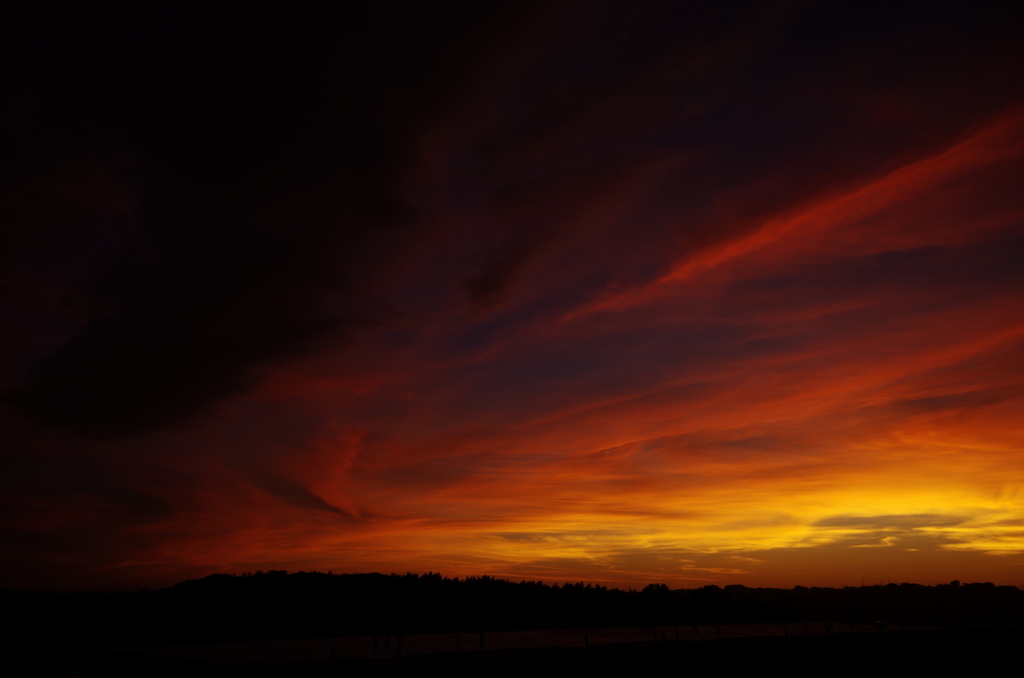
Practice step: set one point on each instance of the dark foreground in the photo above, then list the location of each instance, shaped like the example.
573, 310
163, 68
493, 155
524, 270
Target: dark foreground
974, 651
312, 624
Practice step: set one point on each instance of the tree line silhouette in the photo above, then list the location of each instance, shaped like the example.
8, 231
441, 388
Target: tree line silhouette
276, 604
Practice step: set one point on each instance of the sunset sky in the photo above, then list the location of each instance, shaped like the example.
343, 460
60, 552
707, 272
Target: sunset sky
622, 292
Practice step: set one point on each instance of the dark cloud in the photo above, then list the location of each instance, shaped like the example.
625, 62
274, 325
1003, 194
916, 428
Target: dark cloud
143, 505
490, 286
958, 402
257, 179
298, 495
897, 522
